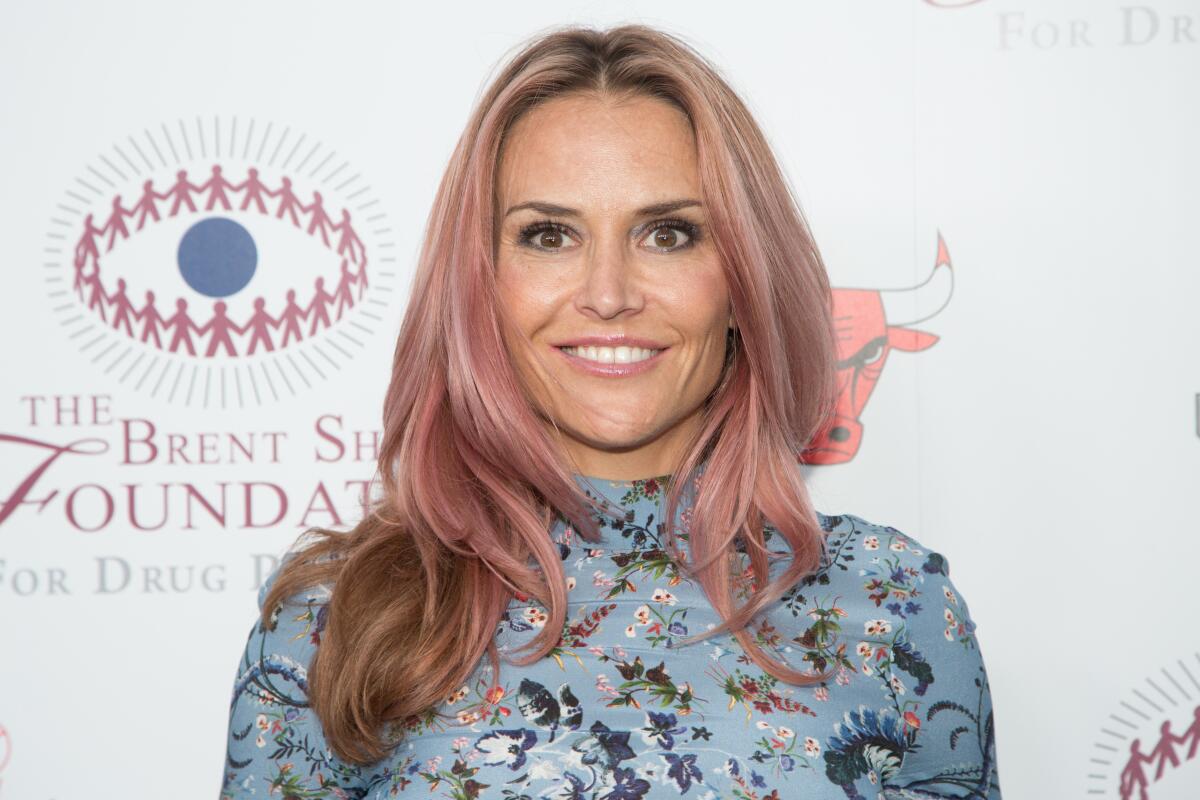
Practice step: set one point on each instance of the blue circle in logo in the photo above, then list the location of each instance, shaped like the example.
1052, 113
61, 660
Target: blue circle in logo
217, 257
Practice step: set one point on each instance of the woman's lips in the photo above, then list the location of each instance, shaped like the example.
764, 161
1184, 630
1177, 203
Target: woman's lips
613, 370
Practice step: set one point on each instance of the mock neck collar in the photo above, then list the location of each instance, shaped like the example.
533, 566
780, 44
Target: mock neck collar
634, 504
629, 512
625, 493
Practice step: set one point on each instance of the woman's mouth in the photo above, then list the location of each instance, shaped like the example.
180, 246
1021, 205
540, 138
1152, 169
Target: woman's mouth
612, 355
612, 361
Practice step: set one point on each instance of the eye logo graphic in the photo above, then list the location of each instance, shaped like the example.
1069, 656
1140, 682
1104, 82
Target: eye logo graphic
1159, 728
213, 266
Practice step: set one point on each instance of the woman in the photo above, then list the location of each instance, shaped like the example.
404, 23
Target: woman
619, 318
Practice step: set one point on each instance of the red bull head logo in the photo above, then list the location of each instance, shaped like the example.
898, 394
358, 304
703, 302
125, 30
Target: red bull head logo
869, 324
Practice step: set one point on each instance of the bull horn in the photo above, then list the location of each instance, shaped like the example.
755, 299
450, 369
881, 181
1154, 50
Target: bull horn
917, 301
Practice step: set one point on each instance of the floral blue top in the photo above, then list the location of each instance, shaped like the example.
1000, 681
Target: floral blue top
617, 711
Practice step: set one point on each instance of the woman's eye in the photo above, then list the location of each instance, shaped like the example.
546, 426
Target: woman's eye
545, 237
669, 237
552, 239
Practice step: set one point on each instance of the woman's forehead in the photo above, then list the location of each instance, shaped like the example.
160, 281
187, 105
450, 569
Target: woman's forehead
591, 154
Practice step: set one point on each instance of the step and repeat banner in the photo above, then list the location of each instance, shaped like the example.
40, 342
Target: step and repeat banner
208, 224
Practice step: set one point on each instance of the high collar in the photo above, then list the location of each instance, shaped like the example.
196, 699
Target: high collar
637, 509
632, 513
625, 494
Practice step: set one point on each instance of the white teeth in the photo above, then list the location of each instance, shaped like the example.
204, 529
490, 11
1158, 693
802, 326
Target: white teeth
612, 355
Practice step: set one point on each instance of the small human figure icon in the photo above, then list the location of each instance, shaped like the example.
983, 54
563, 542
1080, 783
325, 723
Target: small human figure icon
1133, 777
217, 186
182, 190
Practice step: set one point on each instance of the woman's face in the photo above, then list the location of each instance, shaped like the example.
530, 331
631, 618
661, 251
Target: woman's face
581, 253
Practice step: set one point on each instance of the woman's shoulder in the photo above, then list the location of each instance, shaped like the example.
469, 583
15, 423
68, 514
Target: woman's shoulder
297, 620
853, 540
282, 646
883, 579
276, 741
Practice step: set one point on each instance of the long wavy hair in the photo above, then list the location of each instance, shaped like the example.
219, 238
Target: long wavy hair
471, 477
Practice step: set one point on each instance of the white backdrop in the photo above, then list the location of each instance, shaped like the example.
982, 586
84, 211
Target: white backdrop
1048, 441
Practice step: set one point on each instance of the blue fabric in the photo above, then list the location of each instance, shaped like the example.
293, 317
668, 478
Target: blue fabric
619, 711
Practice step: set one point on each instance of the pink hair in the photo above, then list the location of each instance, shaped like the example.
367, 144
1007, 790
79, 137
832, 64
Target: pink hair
471, 478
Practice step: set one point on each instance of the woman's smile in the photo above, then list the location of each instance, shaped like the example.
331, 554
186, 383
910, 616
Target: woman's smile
611, 362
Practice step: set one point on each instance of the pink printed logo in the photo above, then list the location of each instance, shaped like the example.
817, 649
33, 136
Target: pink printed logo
870, 324
206, 260
1151, 736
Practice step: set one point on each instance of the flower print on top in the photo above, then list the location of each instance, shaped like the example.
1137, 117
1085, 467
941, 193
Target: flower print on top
618, 710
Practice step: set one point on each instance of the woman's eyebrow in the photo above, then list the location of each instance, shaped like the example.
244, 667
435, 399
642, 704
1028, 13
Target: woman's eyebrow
554, 209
